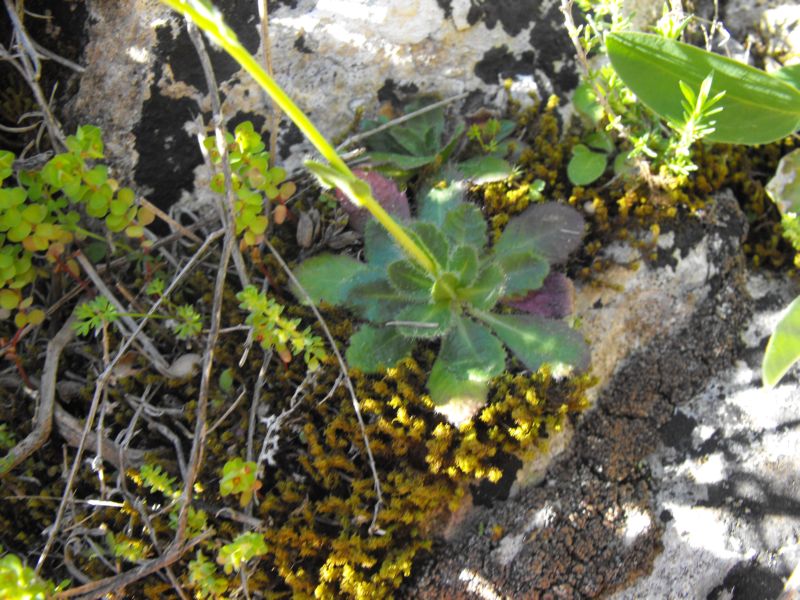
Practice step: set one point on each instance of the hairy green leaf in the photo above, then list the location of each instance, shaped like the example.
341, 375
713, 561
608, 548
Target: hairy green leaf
377, 301
465, 226
536, 341
550, 230
433, 241
374, 348
380, 248
525, 271
464, 263
446, 387
783, 348
431, 320
471, 350
409, 279
757, 108
327, 277
488, 288
412, 141
486, 169
437, 201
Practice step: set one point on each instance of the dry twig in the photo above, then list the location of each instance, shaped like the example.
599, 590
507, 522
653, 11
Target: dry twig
100, 384
43, 424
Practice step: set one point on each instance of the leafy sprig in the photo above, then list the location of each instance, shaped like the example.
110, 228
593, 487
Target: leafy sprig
274, 331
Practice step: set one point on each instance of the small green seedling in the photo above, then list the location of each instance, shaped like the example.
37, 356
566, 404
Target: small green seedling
274, 331
245, 547
414, 144
239, 477
98, 313
203, 577
253, 180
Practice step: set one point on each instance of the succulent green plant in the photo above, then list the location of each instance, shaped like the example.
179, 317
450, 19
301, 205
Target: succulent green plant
19, 582
203, 576
39, 216
456, 303
239, 477
253, 180
240, 550
274, 331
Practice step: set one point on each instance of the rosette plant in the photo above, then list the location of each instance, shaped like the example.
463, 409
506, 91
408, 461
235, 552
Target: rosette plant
435, 277
458, 299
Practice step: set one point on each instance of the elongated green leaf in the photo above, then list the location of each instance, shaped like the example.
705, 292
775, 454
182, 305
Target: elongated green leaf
372, 349
536, 341
410, 280
550, 230
783, 348
790, 74
464, 396
433, 241
488, 288
525, 271
412, 141
448, 149
439, 200
471, 350
465, 226
328, 277
376, 301
433, 320
757, 108
464, 263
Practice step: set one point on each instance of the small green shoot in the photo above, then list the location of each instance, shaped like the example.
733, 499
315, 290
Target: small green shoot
245, 547
239, 477
274, 331
203, 577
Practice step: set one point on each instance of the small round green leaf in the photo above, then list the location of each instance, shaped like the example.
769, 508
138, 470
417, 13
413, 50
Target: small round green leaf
585, 166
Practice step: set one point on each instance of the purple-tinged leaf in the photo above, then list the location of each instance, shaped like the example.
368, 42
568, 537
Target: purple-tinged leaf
555, 299
550, 230
384, 190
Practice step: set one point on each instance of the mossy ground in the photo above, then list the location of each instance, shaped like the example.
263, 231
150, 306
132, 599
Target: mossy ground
315, 504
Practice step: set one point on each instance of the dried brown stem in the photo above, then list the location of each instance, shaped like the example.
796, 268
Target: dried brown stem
201, 423
30, 69
100, 384
211, 82
97, 589
43, 423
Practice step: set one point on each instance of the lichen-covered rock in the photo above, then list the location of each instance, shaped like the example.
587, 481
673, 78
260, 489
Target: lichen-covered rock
592, 526
143, 83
